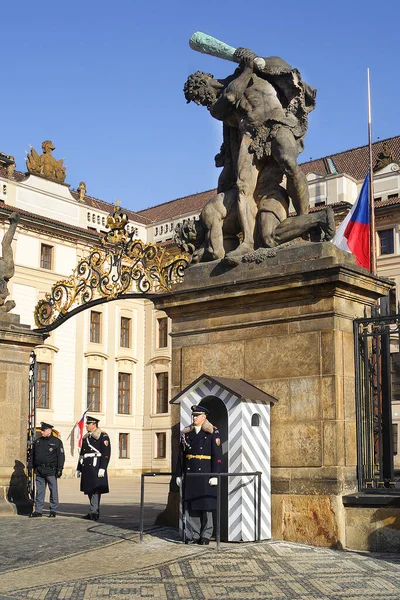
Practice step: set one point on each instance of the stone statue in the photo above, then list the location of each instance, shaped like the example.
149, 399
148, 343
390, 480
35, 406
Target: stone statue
384, 158
11, 168
82, 191
7, 267
264, 112
46, 165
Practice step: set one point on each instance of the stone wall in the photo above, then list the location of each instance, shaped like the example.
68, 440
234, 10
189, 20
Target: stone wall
285, 326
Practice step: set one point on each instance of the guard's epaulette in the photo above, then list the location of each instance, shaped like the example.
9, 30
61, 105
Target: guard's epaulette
215, 427
104, 432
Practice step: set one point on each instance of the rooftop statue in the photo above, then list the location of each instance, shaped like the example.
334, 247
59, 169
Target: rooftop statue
264, 107
7, 267
46, 165
384, 158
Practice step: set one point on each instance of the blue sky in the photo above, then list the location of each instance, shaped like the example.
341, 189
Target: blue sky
103, 81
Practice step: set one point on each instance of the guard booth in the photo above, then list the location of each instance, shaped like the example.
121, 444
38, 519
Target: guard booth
242, 414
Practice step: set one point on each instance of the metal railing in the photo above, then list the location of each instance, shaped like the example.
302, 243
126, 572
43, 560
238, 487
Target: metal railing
257, 498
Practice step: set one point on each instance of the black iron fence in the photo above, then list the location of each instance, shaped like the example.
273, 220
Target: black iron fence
31, 421
257, 500
377, 344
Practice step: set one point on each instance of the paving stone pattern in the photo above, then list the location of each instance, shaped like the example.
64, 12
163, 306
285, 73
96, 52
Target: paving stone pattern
269, 570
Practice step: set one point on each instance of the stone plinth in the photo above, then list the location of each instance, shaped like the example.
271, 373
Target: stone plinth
16, 343
285, 326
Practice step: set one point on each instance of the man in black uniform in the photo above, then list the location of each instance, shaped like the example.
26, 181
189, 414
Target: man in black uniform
92, 465
200, 452
48, 461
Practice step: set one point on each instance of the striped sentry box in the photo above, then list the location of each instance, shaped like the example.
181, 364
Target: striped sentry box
248, 449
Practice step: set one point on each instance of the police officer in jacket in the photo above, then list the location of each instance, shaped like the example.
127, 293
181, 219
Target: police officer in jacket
92, 465
200, 452
47, 459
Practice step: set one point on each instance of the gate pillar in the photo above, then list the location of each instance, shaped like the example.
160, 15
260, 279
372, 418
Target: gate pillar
16, 343
284, 325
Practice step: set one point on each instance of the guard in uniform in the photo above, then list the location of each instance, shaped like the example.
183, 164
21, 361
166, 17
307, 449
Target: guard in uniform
200, 452
92, 465
47, 459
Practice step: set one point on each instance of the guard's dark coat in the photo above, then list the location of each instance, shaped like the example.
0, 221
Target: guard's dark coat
198, 494
89, 466
47, 455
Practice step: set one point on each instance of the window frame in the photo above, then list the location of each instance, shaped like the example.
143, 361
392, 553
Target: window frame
161, 445
43, 257
90, 393
390, 231
162, 332
92, 327
162, 392
122, 391
125, 332
123, 436
47, 383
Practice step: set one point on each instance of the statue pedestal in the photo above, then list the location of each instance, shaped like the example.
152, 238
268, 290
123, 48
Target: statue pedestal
285, 326
16, 343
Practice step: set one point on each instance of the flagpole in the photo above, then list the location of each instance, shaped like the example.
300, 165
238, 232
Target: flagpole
371, 186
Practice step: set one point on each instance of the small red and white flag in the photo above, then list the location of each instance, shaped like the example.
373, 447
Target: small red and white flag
80, 424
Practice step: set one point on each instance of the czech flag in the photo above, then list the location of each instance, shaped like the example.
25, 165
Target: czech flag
80, 425
353, 235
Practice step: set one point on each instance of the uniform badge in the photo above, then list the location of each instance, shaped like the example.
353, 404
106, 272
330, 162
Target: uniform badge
106, 442
218, 441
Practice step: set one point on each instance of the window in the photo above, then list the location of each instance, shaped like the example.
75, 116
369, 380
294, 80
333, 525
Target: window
162, 332
124, 393
161, 451
156, 231
162, 392
43, 385
391, 196
46, 256
255, 420
95, 326
161, 229
125, 332
94, 390
124, 445
386, 241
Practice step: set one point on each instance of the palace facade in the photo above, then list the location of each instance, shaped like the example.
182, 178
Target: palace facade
116, 358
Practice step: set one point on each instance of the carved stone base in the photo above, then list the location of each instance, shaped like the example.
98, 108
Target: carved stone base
285, 326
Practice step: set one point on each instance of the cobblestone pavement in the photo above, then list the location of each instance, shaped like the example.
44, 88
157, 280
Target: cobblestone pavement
68, 558
106, 561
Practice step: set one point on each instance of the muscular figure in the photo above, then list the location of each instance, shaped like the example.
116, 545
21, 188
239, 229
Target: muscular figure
7, 267
268, 120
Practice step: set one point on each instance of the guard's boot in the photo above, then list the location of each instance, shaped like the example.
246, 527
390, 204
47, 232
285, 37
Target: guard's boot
52, 514
35, 514
87, 517
204, 541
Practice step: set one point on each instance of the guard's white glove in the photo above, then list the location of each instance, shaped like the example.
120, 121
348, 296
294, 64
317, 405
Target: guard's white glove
213, 481
178, 481
102, 472
77, 474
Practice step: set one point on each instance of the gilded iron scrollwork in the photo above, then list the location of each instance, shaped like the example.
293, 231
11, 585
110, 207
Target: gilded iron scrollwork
120, 266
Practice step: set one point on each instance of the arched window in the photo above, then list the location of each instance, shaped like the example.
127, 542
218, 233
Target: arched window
255, 420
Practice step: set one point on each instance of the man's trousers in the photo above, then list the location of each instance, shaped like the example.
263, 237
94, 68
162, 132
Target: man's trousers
41, 481
199, 524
